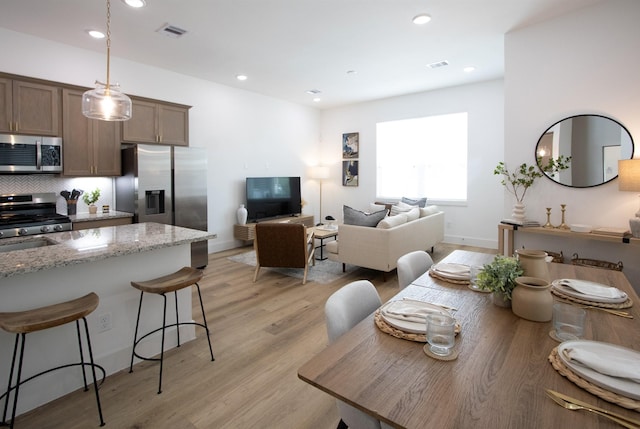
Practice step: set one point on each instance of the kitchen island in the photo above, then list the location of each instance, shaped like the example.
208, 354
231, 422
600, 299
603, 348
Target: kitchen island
74, 263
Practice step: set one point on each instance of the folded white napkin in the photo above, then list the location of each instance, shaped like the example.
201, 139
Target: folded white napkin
608, 364
592, 289
459, 269
410, 311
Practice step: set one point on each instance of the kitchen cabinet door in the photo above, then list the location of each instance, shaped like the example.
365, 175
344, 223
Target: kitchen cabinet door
29, 108
90, 147
156, 122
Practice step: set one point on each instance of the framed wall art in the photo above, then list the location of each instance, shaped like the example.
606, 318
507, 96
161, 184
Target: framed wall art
350, 174
350, 145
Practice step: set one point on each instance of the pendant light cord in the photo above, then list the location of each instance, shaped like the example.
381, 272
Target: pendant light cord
108, 88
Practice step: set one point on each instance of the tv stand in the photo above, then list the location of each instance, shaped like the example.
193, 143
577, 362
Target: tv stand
247, 232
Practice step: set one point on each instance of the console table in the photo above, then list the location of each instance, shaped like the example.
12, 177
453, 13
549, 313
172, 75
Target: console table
247, 232
507, 231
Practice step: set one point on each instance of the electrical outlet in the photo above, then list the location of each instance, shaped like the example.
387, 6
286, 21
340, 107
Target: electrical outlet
104, 322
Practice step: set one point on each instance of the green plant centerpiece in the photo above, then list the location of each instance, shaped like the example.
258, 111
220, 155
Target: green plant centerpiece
90, 199
499, 277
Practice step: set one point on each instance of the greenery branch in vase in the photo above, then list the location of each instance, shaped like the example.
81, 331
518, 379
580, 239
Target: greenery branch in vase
90, 199
518, 181
499, 277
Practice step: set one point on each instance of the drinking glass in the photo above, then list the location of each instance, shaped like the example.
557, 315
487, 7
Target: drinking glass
440, 333
474, 270
568, 321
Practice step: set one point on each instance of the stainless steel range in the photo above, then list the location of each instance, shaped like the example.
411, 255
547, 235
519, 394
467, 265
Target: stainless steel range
30, 214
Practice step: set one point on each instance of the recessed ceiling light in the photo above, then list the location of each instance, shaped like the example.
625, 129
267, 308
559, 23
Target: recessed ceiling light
316, 99
135, 3
96, 34
421, 19
469, 69
241, 77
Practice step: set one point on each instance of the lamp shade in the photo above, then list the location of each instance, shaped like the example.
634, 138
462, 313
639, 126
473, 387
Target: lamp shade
319, 172
629, 175
106, 103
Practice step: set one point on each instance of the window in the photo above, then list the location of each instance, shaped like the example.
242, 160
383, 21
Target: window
423, 157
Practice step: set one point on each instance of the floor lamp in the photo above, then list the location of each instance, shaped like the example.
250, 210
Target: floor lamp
629, 180
320, 173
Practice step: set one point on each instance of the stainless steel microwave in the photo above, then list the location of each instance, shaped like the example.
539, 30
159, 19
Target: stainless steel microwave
30, 154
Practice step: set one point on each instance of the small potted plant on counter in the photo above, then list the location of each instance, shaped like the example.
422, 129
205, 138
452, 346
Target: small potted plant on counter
499, 277
90, 199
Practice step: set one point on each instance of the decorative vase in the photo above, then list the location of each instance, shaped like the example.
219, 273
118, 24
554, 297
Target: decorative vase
500, 300
532, 300
93, 209
518, 213
534, 263
242, 215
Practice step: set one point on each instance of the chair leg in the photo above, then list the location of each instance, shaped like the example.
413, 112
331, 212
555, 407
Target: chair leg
8, 393
204, 318
342, 425
175, 296
135, 335
17, 387
93, 366
255, 273
164, 324
84, 374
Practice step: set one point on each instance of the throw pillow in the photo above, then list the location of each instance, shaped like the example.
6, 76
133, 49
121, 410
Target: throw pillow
400, 208
413, 214
373, 207
428, 211
420, 202
352, 216
392, 221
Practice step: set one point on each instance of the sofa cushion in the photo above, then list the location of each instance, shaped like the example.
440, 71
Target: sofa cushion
392, 221
357, 217
420, 202
374, 208
332, 246
429, 210
413, 214
400, 207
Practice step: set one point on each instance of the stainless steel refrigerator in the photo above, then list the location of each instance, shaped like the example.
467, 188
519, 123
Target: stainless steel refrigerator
166, 184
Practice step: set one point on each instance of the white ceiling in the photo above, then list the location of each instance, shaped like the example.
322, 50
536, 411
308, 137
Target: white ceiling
287, 47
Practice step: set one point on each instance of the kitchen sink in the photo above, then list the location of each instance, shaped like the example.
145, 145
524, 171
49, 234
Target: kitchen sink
26, 244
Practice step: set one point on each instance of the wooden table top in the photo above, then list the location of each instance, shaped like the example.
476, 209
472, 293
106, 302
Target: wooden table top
501, 373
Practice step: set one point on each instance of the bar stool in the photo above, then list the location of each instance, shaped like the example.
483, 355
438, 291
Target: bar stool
23, 322
181, 279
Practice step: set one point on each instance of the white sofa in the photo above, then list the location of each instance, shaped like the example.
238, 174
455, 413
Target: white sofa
380, 247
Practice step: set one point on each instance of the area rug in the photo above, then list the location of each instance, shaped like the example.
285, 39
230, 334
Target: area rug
323, 272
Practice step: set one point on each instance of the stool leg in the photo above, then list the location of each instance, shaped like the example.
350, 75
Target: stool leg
204, 318
135, 335
13, 367
84, 374
93, 366
175, 297
164, 324
15, 397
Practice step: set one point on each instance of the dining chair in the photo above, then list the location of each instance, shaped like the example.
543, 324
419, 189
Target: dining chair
344, 309
283, 245
411, 266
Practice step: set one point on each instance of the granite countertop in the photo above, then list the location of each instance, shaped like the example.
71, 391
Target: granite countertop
78, 247
86, 217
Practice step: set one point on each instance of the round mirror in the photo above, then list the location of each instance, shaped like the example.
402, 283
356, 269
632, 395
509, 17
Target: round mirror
594, 144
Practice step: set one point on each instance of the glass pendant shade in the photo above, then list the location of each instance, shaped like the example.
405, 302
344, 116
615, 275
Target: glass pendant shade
106, 103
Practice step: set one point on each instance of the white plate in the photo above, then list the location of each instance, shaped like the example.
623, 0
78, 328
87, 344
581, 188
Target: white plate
575, 294
407, 325
621, 386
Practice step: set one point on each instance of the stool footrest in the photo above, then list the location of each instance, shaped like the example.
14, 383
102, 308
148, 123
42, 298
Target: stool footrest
160, 329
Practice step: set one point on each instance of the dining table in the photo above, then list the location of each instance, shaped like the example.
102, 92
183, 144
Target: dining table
502, 369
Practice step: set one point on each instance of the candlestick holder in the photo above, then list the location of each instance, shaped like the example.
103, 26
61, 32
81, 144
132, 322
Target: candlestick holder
563, 225
548, 224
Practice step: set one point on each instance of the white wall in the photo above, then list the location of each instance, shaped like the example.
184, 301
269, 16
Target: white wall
584, 62
473, 223
246, 134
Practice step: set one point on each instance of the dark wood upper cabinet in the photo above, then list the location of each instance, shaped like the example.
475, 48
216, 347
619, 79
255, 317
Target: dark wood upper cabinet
29, 108
157, 122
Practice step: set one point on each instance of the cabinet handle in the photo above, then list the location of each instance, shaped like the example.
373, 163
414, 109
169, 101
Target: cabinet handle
16, 126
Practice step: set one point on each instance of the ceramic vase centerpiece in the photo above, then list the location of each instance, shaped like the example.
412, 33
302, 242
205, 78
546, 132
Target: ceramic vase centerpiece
532, 300
242, 215
534, 263
90, 199
499, 277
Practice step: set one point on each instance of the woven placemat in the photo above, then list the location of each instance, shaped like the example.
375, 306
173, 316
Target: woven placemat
388, 329
435, 275
452, 356
612, 397
628, 303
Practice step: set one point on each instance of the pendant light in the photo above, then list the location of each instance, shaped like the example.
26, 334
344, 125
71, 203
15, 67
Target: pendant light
106, 102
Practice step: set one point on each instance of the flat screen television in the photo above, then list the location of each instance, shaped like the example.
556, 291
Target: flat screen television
269, 197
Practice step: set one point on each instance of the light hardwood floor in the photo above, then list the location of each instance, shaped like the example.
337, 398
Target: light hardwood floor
261, 334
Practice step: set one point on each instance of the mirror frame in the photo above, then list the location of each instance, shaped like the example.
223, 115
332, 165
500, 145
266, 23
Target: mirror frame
622, 127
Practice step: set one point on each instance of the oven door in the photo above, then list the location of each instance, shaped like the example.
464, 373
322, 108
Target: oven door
27, 154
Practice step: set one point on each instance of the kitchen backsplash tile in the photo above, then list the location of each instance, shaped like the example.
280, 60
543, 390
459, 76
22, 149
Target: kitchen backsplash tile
31, 183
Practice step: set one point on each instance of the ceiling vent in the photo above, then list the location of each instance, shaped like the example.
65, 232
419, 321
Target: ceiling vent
171, 31
438, 64
314, 91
